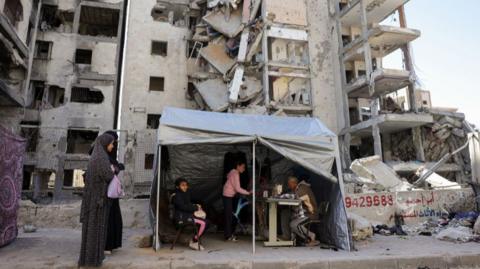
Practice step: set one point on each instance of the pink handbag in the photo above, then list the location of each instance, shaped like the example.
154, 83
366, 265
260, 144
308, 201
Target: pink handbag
115, 188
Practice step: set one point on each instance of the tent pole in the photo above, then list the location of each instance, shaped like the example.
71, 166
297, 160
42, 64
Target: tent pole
159, 166
253, 197
341, 185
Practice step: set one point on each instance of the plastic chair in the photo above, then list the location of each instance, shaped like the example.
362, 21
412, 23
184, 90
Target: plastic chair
180, 226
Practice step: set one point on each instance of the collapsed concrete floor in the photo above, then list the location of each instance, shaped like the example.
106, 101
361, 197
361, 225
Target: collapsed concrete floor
59, 248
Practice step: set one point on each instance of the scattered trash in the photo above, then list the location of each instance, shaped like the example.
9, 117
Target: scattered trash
361, 228
457, 234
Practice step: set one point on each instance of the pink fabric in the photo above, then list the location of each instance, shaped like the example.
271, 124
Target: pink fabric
232, 186
202, 224
12, 150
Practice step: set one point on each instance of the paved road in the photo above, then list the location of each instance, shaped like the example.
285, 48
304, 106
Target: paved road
58, 248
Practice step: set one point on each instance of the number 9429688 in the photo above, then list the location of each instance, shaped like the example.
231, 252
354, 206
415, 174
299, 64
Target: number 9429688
369, 201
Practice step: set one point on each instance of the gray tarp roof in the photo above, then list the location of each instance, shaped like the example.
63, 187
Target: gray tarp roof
305, 141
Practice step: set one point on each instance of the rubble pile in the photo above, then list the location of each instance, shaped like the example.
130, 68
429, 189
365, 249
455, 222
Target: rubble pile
227, 39
457, 227
445, 135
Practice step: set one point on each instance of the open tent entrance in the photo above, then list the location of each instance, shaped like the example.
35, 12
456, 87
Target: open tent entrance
197, 152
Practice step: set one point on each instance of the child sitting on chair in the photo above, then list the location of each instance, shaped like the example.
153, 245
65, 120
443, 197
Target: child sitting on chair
185, 211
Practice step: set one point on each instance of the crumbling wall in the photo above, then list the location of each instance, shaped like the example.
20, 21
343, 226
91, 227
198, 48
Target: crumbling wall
325, 75
214, 61
137, 100
58, 71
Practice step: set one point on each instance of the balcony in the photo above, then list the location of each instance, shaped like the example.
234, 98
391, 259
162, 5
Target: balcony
383, 40
376, 10
386, 81
390, 123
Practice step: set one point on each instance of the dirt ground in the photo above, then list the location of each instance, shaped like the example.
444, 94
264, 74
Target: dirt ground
59, 248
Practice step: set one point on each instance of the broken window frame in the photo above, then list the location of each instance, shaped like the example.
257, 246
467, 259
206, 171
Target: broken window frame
37, 88
156, 84
148, 161
55, 96
13, 10
83, 56
79, 94
99, 30
89, 135
43, 56
153, 121
31, 133
159, 48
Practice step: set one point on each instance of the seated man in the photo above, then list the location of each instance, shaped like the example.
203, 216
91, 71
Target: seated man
298, 215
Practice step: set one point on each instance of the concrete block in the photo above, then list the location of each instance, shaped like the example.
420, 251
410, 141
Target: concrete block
422, 262
273, 265
364, 264
215, 54
242, 51
215, 94
235, 85
314, 265
230, 27
467, 261
189, 264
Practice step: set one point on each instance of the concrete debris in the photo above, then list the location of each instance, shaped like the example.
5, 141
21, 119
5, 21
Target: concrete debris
143, 240
250, 88
215, 94
215, 54
361, 228
257, 110
230, 27
384, 177
476, 226
235, 85
254, 47
435, 181
242, 51
201, 33
457, 234
444, 136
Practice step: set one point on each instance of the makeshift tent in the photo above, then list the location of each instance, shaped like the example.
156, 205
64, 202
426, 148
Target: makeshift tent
12, 150
195, 143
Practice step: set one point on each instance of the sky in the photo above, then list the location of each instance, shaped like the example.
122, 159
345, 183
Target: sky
447, 54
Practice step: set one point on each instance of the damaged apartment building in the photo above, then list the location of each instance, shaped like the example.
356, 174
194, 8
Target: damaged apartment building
62, 61
297, 58
68, 92
385, 114
251, 56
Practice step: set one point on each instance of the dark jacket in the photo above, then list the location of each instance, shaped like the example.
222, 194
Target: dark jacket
183, 207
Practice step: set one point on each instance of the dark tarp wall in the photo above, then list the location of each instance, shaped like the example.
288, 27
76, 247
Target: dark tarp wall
12, 150
197, 141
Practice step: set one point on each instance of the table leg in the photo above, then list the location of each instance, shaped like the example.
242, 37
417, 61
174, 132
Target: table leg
272, 229
272, 223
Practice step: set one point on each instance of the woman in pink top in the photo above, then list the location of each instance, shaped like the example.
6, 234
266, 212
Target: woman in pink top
230, 189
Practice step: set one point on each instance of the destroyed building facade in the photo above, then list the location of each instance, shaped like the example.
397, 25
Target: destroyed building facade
63, 60
385, 114
69, 89
251, 56
16, 25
